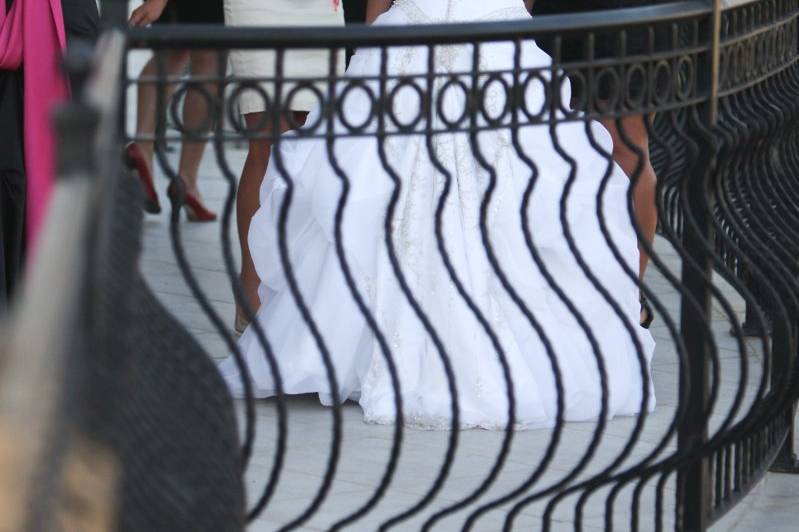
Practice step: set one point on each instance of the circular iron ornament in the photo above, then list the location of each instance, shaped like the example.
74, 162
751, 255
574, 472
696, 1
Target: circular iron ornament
662, 83
485, 97
408, 125
609, 75
303, 130
578, 93
353, 85
635, 75
176, 115
236, 118
450, 84
546, 89
684, 78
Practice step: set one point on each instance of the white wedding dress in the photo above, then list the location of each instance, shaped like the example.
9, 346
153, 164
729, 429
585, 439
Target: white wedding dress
360, 366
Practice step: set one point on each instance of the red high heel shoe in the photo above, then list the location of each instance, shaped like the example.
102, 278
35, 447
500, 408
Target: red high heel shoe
136, 162
195, 210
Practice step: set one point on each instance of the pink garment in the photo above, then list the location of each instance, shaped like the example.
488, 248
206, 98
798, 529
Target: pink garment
32, 35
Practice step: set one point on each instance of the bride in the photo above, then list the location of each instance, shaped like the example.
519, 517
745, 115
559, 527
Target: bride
541, 325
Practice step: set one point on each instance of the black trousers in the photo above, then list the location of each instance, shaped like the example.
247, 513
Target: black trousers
81, 20
355, 11
12, 186
82, 25
12, 183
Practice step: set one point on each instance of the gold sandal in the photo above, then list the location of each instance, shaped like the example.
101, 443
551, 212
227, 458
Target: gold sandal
240, 324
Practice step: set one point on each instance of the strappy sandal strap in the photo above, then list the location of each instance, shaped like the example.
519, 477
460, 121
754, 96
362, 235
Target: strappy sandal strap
646, 309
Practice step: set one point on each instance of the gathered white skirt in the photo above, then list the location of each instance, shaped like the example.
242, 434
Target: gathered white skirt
260, 64
617, 352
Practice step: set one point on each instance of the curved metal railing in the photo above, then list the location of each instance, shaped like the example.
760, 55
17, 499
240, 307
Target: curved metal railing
715, 88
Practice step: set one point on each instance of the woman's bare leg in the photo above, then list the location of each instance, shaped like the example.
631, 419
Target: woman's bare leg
646, 215
248, 200
146, 98
196, 116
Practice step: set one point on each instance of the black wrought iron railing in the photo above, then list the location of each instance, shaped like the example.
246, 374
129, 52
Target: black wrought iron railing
518, 146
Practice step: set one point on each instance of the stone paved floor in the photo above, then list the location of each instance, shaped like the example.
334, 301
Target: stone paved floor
365, 447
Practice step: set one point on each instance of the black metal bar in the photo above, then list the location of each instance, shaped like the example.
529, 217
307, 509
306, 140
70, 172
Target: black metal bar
786, 460
695, 480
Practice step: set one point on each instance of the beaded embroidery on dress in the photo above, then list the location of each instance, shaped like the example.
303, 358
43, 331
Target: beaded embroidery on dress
371, 166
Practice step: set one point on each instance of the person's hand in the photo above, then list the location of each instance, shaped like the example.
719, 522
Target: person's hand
147, 13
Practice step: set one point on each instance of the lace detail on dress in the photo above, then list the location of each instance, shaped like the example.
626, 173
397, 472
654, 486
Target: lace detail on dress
419, 16
508, 13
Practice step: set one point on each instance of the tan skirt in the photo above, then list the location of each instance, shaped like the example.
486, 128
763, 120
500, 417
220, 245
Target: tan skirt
251, 64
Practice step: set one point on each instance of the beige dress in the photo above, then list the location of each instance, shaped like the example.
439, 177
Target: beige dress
251, 64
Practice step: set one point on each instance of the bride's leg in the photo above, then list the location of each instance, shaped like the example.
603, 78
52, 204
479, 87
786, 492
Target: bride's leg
624, 153
247, 202
625, 148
